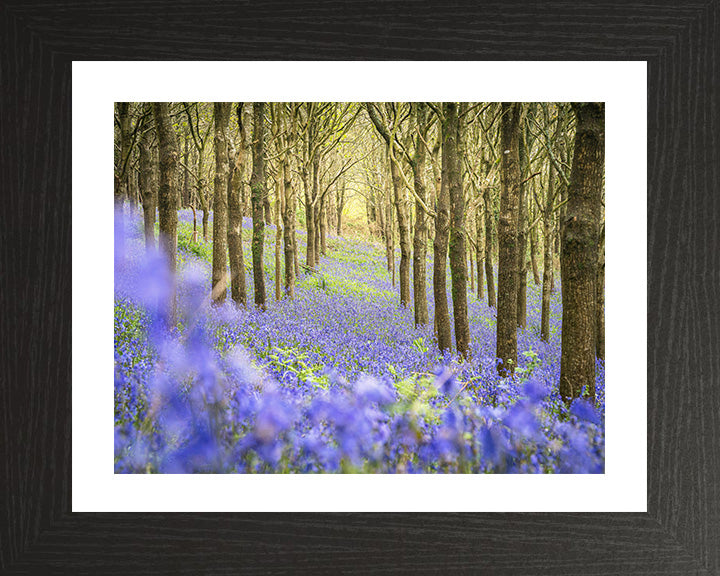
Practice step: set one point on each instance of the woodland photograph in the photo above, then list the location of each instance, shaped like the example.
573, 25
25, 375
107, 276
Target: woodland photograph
359, 287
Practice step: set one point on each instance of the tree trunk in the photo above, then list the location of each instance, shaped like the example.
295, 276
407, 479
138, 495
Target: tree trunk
309, 227
534, 256
403, 232
323, 226
340, 206
132, 187
221, 116
522, 233
507, 239
278, 235
489, 272
420, 238
267, 208
167, 195
580, 253
289, 228
452, 135
316, 235
532, 217
120, 188
186, 174
147, 184
238, 290
400, 199
479, 252
600, 299
257, 197
201, 194
548, 236
440, 250
194, 234
387, 229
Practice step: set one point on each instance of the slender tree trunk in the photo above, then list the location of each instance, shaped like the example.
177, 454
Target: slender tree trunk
400, 200
380, 220
202, 195
323, 227
186, 174
267, 208
278, 235
489, 272
390, 224
580, 254
522, 233
534, 237
480, 252
388, 233
238, 290
403, 233
507, 237
247, 146
340, 206
600, 299
147, 184
132, 184
420, 238
471, 264
120, 190
221, 116
257, 197
440, 251
167, 195
547, 257
555, 231
194, 234
289, 229
458, 264
205, 220
534, 256
316, 236
309, 226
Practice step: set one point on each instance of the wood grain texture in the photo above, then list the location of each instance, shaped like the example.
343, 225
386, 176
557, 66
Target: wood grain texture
681, 532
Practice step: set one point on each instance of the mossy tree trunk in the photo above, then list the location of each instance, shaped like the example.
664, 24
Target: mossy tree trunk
221, 116
522, 231
600, 299
257, 199
387, 128
238, 289
480, 247
507, 239
579, 257
440, 251
489, 227
548, 238
420, 233
148, 190
452, 146
288, 207
167, 193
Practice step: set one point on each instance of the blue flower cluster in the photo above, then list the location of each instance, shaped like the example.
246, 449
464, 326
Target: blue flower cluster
337, 380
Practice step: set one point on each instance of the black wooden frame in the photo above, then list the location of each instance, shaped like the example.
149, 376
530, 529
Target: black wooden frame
680, 534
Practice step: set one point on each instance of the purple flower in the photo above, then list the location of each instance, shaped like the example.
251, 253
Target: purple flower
583, 410
371, 389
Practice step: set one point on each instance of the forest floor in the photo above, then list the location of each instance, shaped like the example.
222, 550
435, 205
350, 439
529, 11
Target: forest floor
336, 380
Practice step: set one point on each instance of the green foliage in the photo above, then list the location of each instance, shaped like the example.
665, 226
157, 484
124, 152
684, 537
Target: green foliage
288, 359
416, 397
199, 249
534, 363
420, 345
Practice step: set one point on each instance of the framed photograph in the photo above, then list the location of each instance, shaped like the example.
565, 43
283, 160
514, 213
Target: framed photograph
648, 502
